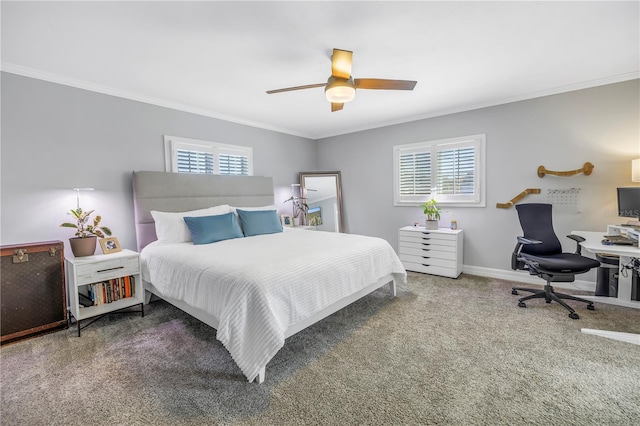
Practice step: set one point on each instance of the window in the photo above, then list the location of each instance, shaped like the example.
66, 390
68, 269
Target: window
450, 170
184, 155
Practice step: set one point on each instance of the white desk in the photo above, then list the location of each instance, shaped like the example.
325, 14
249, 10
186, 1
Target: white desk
593, 244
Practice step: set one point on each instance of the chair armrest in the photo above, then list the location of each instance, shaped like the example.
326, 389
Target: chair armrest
516, 261
578, 239
523, 240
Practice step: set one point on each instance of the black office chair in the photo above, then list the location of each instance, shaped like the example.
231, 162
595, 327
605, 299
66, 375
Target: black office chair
540, 252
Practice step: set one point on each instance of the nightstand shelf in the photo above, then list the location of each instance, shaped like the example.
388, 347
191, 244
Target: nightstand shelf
111, 282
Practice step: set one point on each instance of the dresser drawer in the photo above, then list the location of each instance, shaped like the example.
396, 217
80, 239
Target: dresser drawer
426, 234
108, 269
426, 246
426, 239
426, 260
441, 252
431, 269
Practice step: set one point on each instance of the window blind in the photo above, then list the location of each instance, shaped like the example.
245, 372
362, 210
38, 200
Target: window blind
415, 173
195, 156
449, 170
456, 171
230, 164
191, 161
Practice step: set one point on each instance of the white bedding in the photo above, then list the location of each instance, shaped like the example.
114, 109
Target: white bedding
258, 286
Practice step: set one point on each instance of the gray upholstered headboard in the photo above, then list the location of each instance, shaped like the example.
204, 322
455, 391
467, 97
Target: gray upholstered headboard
180, 192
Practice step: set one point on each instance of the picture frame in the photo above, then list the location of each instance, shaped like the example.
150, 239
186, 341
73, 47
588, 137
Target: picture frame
110, 245
286, 220
314, 216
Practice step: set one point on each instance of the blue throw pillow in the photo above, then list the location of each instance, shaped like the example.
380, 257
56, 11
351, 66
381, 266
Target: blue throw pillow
258, 222
211, 229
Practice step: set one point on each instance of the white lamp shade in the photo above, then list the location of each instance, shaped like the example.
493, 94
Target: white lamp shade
635, 170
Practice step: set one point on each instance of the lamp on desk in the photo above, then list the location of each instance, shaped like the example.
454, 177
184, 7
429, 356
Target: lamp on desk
635, 170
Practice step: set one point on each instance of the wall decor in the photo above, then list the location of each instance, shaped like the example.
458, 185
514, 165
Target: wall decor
518, 197
586, 169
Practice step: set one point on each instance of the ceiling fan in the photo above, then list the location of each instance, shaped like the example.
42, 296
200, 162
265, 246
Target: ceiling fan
341, 86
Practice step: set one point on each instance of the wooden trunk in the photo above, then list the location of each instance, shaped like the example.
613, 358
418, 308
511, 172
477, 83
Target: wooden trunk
32, 289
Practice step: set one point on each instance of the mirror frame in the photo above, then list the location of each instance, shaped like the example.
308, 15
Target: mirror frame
336, 174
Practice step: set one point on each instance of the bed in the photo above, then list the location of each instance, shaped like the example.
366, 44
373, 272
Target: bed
257, 290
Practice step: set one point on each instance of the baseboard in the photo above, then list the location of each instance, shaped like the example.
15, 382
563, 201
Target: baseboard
524, 277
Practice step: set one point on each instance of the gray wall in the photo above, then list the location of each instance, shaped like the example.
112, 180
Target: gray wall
55, 138
561, 132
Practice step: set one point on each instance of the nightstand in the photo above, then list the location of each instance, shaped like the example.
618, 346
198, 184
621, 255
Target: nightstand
103, 284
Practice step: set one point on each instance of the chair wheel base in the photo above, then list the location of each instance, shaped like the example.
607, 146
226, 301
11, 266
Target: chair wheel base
522, 305
514, 291
573, 315
590, 307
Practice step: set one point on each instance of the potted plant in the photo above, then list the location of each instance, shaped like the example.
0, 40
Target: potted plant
300, 209
87, 232
432, 214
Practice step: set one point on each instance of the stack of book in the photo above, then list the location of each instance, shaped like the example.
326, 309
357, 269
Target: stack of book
111, 290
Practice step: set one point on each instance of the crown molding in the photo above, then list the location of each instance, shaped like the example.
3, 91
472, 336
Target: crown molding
94, 87
502, 101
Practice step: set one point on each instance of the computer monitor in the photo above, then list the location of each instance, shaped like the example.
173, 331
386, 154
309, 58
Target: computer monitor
629, 203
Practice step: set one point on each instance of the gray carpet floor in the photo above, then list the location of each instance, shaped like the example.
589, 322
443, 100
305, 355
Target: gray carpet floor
444, 352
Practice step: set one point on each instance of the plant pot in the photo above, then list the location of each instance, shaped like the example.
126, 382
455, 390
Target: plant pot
83, 246
431, 224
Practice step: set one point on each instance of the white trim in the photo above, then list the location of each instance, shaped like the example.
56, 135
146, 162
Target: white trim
615, 335
93, 87
524, 277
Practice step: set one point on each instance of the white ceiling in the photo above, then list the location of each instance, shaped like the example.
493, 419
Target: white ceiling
219, 58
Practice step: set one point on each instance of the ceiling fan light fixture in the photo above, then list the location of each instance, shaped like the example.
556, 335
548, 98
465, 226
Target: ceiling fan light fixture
340, 90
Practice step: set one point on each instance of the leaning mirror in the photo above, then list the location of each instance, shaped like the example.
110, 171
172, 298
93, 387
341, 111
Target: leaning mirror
323, 192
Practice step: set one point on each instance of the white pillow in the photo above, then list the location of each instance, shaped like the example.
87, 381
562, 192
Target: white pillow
171, 227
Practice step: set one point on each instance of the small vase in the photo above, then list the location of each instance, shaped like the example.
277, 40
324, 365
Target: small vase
81, 247
431, 224
296, 221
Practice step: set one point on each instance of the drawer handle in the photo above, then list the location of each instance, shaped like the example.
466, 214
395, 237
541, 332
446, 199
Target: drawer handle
110, 269
425, 264
426, 257
426, 244
424, 238
426, 233
424, 249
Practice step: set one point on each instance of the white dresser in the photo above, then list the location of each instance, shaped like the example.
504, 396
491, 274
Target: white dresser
437, 252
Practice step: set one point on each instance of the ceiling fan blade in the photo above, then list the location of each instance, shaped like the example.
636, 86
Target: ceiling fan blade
341, 63
288, 89
336, 107
381, 84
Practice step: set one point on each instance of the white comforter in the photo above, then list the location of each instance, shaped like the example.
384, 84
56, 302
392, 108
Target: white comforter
258, 286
